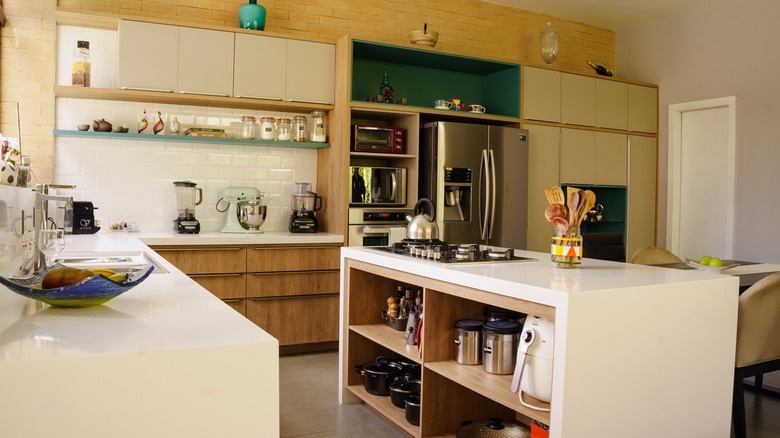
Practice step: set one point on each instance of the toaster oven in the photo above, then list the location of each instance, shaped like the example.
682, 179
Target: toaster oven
381, 139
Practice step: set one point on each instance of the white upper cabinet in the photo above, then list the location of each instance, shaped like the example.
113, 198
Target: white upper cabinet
147, 56
311, 69
642, 109
611, 104
541, 94
205, 62
578, 100
260, 67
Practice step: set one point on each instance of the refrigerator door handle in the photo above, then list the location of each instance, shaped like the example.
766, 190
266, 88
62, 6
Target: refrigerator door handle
483, 215
492, 195
394, 186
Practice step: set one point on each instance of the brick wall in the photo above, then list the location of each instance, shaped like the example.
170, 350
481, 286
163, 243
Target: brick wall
466, 27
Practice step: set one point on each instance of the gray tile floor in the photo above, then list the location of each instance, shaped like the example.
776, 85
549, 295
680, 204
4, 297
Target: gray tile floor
310, 408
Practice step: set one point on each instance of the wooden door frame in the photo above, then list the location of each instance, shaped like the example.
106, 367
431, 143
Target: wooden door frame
674, 168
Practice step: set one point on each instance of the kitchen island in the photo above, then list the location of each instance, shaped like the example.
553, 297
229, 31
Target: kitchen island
167, 358
638, 351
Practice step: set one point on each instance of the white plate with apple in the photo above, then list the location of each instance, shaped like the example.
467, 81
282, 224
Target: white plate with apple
711, 264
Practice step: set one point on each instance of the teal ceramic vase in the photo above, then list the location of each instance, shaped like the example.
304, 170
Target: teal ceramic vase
251, 16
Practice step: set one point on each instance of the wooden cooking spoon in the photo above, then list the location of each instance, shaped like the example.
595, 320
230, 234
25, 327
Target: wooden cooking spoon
556, 193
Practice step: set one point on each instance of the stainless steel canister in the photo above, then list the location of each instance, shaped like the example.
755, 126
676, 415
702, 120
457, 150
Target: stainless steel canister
500, 340
469, 341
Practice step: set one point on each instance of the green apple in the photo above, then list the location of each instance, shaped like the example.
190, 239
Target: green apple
705, 261
715, 262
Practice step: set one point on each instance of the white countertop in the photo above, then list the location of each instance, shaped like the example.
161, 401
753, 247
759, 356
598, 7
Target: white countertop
166, 311
537, 281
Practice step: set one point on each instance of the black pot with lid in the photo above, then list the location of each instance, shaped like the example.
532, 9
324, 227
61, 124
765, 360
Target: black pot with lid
493, 428
493, 313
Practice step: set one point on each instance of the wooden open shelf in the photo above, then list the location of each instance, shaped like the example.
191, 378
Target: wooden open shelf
435, 114
389, 338
385, 408
185, 99
186, 138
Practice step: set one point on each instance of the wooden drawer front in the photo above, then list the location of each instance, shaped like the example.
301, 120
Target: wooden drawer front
296, 283
224, 286
292, 259
297, 320
239, 305
217, 260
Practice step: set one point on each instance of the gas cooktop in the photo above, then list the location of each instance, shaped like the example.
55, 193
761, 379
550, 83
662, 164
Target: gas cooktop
448, 253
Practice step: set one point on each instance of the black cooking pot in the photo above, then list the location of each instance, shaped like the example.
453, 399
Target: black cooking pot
412, 412
409, 367
378, 376
402, 388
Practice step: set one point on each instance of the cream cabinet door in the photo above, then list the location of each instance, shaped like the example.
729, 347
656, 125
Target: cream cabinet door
147, 56
205, 62
642, 181
578, 156
260, 67
611, 104
611, 159
578, 100
541, 94
642, 109
311, 69
544, 154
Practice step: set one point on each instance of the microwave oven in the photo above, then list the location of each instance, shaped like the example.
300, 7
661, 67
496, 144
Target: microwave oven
377, 186
381, 139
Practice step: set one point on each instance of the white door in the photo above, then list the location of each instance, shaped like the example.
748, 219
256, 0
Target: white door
702, 142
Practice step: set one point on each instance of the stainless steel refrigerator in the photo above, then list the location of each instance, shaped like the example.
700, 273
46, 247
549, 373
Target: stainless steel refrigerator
477, 177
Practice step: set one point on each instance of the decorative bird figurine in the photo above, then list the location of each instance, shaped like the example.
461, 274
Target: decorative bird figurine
143, 123
159, 126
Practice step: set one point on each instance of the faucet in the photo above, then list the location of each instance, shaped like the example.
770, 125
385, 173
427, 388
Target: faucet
37, 262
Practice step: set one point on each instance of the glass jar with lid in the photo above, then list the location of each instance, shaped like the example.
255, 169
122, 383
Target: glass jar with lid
319, 123
299, 128
267, 129
248, 127
284, 129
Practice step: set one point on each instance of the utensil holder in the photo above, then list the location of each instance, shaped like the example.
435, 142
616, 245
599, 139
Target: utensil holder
566, 250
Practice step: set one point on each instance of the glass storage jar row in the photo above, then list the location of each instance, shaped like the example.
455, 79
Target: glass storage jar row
286, 129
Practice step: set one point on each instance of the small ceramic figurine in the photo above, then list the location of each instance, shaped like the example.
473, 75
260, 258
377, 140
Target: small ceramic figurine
159, 126
175, 126
143, 123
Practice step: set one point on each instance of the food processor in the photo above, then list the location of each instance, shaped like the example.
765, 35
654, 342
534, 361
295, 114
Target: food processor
304, 204
186, 195
245, 212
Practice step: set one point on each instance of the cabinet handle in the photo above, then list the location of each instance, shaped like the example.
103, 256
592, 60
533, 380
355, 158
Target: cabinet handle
160, 90
294, 248
290, 297
293, 272
231, 300
259, 97
222, 248
216, 275
321, 102
203, 93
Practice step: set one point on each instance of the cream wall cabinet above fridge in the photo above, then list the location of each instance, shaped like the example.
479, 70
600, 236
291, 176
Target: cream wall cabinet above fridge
611, 104
205, 62
260, 67
311, 69
541, 94
147, 56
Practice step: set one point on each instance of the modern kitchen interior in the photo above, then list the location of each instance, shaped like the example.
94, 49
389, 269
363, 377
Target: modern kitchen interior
315, 219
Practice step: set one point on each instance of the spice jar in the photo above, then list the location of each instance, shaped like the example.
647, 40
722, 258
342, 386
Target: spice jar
299, 128
248, 127
267, 131
319, 123
284, 130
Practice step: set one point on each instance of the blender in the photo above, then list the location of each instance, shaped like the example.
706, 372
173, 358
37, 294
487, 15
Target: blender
186, 195
304, 204
245, 212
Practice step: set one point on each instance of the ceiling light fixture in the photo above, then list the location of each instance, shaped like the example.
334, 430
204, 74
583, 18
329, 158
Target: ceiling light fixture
548, 44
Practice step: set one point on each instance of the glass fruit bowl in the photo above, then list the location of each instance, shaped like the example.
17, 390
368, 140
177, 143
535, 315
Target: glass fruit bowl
91, 291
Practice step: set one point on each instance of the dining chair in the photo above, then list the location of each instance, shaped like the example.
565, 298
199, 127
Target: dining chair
758, 349
653, 255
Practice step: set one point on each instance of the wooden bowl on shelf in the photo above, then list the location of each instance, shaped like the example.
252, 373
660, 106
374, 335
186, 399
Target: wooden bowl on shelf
422, 38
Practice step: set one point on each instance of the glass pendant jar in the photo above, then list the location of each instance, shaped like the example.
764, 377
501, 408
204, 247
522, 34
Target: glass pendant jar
548, 44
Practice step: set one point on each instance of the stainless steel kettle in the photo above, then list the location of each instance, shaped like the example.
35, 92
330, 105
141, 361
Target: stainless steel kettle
422, 227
